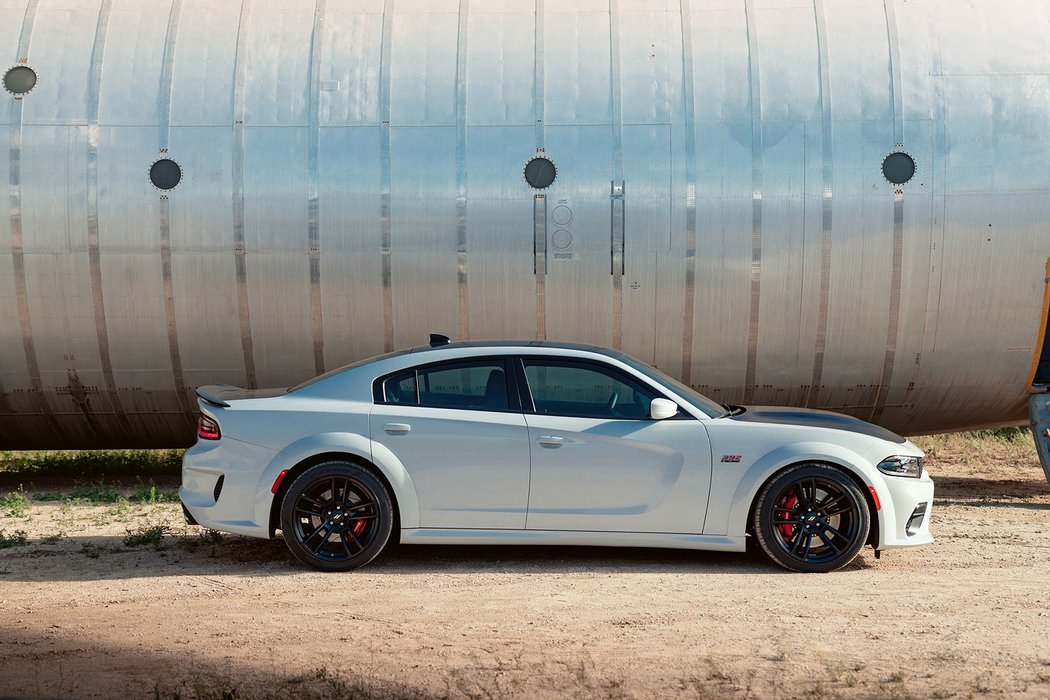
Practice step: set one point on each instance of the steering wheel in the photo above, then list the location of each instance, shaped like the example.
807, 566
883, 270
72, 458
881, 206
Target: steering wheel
611, 403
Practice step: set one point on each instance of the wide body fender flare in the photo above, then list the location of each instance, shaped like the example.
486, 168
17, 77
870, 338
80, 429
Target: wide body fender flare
739, 506
345, 443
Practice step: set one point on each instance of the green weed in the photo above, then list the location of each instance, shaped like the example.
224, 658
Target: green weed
15, 504
151, 495
151, 535
48, 496
94, 463
97, 492
53, 539
18, 538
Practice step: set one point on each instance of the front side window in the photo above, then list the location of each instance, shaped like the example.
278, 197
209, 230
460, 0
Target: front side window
585, 390
464, 385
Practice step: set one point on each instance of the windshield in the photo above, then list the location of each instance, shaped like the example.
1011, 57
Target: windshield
695, 398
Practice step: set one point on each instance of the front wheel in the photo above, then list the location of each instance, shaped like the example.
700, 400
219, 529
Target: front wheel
812, 518
336, 516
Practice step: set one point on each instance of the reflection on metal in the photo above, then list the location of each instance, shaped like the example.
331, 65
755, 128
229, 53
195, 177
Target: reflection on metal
756, 201
40, 402
94, 255
313, 204
827, 204
689, 111
539, 261
769, 259
461, 170
386, 270
243, 312
1039, 378
896, 264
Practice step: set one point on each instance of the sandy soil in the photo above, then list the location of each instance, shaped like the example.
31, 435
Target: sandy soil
87, 615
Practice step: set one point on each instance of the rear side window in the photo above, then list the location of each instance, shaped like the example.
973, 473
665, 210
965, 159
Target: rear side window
478, 385
585, 390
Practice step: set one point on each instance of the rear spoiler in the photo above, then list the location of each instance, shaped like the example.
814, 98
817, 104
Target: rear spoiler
213, 393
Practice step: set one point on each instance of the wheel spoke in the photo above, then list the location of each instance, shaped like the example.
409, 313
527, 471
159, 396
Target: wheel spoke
304, 511
346, 547
793, 521
809, 542
311, 501
829, 541
830, 501
360, 547
357, 506
829, 528
317, 549
315, 532
847, 509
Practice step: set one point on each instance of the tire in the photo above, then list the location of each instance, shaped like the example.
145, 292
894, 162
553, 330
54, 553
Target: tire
812, 518
336, 516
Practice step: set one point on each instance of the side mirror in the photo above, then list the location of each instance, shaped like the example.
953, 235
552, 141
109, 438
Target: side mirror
662, 408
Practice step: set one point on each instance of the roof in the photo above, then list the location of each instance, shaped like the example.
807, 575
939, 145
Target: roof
517, 344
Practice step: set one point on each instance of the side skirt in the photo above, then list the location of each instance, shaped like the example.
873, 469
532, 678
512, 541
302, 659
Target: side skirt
721, 543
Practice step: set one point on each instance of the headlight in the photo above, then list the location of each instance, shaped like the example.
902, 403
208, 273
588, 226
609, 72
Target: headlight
902, 465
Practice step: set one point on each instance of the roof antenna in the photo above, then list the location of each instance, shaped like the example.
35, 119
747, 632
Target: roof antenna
437, 339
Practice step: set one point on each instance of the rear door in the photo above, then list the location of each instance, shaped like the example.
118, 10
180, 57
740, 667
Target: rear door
462, 438
599, 463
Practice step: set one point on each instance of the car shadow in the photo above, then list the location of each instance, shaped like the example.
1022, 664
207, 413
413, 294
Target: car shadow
107, 558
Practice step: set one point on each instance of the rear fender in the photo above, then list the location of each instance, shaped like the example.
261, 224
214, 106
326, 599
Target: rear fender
350, 444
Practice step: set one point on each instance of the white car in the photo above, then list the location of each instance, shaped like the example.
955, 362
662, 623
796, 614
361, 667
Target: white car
542, 443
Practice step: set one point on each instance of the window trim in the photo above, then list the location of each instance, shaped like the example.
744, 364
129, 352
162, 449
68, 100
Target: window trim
529, 403
513, 392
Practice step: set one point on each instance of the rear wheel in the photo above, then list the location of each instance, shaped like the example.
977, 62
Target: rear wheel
336, 516
812, 518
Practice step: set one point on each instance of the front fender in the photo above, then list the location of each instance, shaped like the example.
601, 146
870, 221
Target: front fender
728, 515
347, 443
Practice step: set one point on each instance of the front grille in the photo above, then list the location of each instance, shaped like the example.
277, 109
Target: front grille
915, 521
218, 486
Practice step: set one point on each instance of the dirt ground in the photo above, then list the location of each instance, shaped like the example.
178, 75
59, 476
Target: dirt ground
85, 614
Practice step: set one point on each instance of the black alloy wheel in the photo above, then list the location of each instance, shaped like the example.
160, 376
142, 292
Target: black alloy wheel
336, 516
812, 518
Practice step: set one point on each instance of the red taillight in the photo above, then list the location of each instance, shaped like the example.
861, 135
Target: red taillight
208, 429
277, 481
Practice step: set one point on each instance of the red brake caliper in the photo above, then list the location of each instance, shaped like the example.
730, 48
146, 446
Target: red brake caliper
787, 530
359, 527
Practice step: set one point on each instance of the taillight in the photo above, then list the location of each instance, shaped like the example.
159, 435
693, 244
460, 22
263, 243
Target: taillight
208, 428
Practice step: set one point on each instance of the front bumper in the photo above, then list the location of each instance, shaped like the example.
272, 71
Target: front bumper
904, 518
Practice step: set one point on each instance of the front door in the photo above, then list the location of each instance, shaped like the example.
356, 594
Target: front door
599, 463
461, 440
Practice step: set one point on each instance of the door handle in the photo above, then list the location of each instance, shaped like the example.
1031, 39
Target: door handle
397, 428
550, 440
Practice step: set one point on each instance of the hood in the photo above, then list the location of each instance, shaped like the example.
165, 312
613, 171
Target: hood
815, 419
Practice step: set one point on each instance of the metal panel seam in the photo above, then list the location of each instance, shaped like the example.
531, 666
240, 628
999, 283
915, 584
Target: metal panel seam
313, 224
43, 404
461, 170
164, 116
756, 199
690, 192
893, 325
243, 311
98, 301
827, 205
386, 270
616, 233
539, 202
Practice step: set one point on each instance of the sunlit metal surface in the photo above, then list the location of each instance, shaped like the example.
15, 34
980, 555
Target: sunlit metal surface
352, 179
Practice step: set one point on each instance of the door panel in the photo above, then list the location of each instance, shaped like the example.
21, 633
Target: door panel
599, 462
470, 468
618, 475
453, 427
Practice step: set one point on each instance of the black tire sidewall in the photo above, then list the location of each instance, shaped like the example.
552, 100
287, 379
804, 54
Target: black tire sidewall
762, 523
344, 469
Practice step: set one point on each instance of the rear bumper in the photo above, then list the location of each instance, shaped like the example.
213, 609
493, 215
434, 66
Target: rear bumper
904, 520
240, 505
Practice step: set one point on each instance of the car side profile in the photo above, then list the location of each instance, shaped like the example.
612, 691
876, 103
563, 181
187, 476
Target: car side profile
543, 443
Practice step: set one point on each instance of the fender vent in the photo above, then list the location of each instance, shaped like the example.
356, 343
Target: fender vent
218, 486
